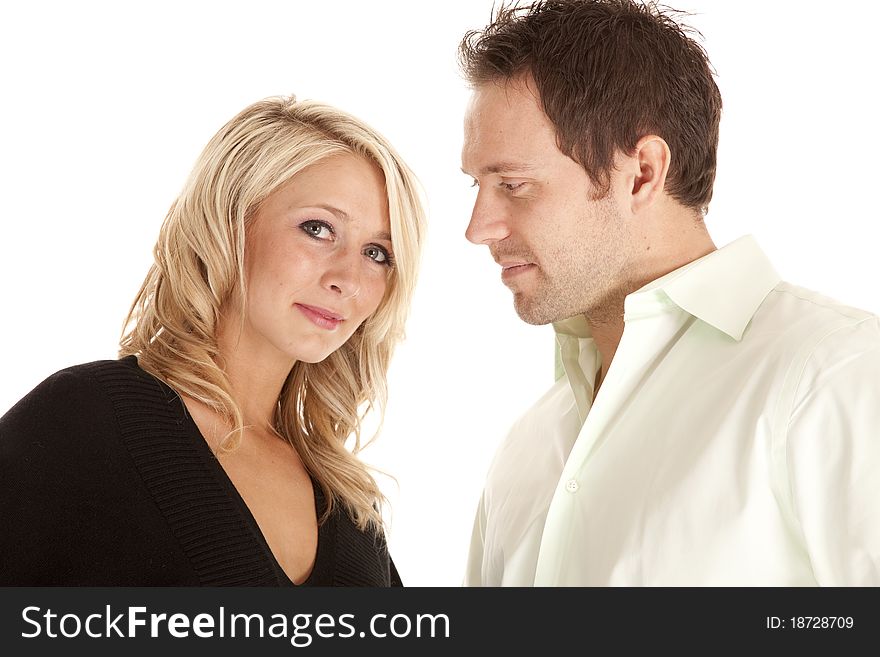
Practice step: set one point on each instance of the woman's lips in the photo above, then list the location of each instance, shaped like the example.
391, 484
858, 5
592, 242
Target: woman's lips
320, 317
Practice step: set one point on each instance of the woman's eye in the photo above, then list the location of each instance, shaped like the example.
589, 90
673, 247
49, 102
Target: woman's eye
318, 229
378, 254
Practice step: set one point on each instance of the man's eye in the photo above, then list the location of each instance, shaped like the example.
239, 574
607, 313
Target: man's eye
317, 229
511, 186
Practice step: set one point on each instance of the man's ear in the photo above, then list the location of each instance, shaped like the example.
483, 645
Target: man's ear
650, 164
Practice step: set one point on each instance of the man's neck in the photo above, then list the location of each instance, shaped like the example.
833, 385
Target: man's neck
666, 255
606, 335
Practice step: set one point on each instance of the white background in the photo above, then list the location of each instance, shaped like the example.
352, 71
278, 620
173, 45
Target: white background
105, 107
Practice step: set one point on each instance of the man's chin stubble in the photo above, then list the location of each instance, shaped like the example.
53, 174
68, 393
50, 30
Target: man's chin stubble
532, 313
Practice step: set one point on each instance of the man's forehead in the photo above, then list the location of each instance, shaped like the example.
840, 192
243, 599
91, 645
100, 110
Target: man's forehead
505, 130
511, 100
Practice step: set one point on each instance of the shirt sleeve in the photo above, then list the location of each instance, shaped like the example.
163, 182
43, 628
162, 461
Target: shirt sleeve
474, 573
833, 457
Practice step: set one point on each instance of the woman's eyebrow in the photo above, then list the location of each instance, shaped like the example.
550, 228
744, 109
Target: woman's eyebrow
343, 215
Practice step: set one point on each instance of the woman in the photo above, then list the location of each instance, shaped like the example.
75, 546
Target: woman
213, 452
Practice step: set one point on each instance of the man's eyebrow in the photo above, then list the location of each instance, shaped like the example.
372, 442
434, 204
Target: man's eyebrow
343, 216
504, 167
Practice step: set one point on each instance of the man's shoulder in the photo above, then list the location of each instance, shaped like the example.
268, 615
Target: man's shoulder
816, 338
798, 305
793, 319
847, 340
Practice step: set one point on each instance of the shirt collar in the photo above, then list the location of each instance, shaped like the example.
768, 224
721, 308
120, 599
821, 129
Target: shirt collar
575, 327
723, 289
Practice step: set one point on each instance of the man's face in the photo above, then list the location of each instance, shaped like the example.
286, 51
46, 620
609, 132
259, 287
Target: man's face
562, 250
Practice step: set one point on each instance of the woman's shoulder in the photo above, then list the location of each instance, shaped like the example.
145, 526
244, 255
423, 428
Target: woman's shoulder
75, 507
77, 404
81, 390
96, 375
70, 397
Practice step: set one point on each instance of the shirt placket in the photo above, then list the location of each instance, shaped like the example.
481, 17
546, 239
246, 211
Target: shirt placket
651, 323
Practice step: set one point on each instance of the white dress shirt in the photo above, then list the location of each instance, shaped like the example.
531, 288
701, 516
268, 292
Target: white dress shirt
734, 441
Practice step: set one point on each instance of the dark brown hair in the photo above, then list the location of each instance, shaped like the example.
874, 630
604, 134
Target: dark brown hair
608, 73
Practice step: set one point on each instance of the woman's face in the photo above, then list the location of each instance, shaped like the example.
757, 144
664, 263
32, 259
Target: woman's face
318, 258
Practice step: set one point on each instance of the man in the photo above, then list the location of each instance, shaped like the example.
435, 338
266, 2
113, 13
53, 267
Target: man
713, 425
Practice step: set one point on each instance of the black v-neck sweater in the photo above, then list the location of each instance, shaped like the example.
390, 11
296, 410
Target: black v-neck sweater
105, 480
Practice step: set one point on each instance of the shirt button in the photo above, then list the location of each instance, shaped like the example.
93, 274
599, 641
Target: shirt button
571, 486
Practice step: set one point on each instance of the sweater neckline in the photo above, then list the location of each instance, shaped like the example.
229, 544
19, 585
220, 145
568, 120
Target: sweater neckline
321, 572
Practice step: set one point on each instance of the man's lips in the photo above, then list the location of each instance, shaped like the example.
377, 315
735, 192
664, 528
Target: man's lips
511, 270
326, 319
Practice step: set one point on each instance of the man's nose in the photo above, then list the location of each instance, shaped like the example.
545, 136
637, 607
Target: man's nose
488, 221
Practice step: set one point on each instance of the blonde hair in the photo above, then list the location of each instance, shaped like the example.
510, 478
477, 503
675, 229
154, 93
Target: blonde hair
199, 263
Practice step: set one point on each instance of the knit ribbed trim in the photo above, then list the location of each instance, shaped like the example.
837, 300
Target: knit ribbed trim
200, 514
361, 558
